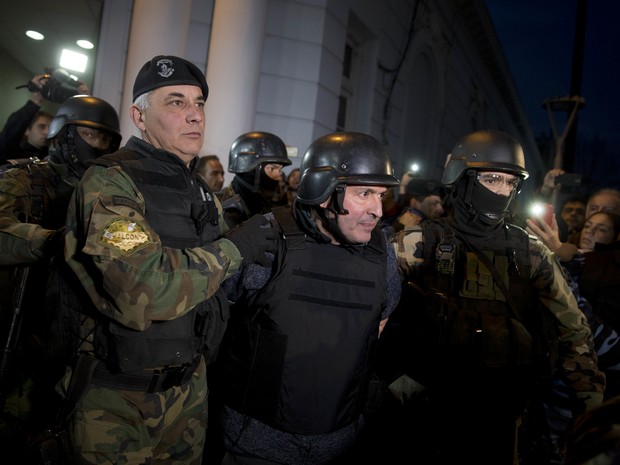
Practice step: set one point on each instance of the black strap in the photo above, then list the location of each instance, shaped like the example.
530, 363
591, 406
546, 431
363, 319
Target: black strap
294, 236
151, 381
80, 377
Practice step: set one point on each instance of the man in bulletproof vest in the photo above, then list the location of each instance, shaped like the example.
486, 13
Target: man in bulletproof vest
34, 195
303, 330
143, 239
257, 159
483, 306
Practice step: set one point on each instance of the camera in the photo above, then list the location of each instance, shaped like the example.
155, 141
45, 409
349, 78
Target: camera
59, 87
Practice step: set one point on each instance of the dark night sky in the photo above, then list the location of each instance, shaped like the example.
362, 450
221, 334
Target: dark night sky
537, 37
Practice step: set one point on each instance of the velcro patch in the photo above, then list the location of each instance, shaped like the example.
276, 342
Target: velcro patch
125, 235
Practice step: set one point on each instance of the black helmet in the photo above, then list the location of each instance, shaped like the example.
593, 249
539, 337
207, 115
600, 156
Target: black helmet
485, 150
85, 110
252, 149
343, 158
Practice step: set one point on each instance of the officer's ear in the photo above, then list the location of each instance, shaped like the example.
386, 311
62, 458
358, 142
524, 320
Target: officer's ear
137, 116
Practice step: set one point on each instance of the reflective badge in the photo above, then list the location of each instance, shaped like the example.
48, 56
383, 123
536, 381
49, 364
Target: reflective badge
125, 235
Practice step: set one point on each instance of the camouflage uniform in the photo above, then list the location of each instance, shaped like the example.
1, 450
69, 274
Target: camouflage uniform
576, 366
136, 282
577, 363
33, 199
28, 242
487, 323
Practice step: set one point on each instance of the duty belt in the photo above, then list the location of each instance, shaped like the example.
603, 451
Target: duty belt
148, 381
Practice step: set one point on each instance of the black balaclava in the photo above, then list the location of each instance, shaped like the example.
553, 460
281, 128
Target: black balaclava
258, 191
477, 211
73, 151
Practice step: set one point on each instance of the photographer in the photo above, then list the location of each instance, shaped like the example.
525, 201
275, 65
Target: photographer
24, 134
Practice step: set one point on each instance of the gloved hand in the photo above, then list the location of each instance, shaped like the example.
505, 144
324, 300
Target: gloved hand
55, 244
253, 238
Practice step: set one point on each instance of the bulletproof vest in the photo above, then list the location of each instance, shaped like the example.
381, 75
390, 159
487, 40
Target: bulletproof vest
299, 350
473, 322
181, 209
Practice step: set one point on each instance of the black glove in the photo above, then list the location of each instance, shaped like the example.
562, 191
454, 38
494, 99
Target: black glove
253, 238
55, 244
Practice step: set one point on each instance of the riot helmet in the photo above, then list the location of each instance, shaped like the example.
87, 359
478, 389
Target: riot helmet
68, 146
342, 158
478, 211
487, 150
253, 149
88, 111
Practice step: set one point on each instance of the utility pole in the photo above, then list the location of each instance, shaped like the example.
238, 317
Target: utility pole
570, 105
576, 80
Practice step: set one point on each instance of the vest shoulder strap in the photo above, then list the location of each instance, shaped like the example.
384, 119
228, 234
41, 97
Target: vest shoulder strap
294, 236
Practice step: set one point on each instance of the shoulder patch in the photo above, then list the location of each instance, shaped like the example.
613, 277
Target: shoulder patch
125, 235
118, 200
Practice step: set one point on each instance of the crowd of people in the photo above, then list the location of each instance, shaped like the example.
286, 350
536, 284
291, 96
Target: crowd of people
335, 314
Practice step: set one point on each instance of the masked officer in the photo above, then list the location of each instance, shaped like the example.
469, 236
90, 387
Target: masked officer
143, 241
257, 159
487, 319
34, 196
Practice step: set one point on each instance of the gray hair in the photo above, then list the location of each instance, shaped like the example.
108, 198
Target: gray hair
142, 101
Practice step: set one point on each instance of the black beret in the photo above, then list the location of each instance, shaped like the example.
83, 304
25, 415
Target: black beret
425, 187
168, 70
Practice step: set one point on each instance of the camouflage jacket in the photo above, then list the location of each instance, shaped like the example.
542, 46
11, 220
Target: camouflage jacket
120, 261
31, 211
577, 363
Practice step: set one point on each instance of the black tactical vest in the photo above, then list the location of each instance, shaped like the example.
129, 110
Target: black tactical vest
300, 349
458, 319
181, 209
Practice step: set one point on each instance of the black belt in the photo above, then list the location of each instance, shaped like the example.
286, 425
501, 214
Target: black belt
149, 381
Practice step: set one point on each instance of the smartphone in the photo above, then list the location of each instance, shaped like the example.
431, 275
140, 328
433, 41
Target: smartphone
547, 213
542, 212
569, 180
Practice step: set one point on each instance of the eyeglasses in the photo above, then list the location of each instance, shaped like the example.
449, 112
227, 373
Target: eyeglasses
494, 182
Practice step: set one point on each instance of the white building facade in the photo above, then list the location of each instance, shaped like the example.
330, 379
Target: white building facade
415, 74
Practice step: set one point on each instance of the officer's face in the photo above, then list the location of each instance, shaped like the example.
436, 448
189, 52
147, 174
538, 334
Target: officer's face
174, 120
364, 204
498, 182
97, 138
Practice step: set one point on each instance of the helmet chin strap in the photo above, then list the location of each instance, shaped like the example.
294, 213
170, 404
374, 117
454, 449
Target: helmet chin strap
336, 206
337, 209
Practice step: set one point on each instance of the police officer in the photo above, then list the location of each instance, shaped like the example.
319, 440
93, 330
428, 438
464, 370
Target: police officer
303, 330
483, 307
143, 243
34, 196
423, 199
257, 159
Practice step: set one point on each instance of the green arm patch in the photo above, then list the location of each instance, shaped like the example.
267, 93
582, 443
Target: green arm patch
125, 235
